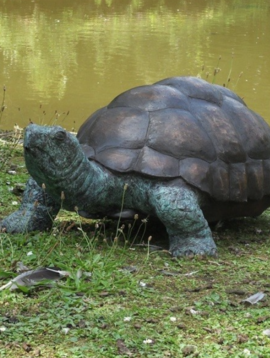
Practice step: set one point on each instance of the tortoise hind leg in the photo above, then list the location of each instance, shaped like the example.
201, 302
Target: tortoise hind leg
178, 208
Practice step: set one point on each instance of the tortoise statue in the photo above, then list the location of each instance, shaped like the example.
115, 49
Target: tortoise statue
183, 150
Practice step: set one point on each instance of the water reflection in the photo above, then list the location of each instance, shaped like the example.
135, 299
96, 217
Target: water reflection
76, 57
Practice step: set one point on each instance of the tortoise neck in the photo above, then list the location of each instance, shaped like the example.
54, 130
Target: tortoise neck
89, 180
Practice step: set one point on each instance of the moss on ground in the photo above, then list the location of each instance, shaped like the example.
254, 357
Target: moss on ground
130, 302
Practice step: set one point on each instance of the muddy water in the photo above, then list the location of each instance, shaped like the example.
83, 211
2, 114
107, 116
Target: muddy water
61, 60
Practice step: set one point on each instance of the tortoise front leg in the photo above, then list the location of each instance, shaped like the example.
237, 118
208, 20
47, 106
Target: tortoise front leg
37, 211
177, 207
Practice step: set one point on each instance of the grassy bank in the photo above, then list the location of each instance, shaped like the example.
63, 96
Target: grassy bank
122, 301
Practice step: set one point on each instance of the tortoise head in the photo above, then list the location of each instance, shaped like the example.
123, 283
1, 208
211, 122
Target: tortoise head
51, 153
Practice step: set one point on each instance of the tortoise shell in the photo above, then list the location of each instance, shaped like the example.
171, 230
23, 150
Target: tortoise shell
184, 127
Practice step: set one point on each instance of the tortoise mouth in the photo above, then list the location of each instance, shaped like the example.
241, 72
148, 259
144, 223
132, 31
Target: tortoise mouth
32, 151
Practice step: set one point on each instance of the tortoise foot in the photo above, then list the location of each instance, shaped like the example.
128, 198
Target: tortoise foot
192, 246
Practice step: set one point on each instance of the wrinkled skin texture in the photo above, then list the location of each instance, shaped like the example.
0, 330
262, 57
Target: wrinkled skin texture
54, 157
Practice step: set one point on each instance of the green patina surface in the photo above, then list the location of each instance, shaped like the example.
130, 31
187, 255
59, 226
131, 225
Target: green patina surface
55, 159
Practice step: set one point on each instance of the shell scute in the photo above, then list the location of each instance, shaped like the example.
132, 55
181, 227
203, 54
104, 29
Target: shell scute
238, 182
255, 179
118, 159
119, 128
196, 172
177, 133
220, 128
194, 87
219, 172
151, 98
153, 163
266, 181
253, 131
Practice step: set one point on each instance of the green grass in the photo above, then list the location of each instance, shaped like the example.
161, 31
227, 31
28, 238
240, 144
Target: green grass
165, 307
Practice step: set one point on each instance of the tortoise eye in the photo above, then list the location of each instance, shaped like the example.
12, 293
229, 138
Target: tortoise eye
60, 135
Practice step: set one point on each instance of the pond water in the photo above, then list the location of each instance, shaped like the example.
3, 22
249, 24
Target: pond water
61, 60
